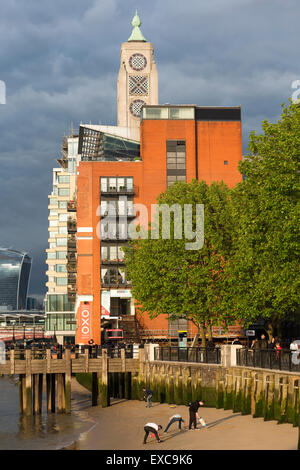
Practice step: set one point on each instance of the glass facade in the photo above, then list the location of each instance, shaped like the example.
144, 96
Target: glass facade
14, 278
98, 146
61, 322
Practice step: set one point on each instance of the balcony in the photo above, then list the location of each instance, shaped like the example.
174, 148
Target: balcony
112, 261
129, 215
72, 206
114, 284
71, 243
121, 190
72, 267
71, 279
72, 227
111, 237
71, 257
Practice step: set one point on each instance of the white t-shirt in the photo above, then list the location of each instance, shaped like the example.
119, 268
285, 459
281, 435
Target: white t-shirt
152, 425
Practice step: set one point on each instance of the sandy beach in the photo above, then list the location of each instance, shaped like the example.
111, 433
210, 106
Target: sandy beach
120, 427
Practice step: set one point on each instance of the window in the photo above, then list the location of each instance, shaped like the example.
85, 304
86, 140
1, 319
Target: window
113, 276
62, 204
63, 230
61, 241
63, 217
176, 161
61, 255
52, 202
51, 255
61, 281
116, 184
58, 303
52, 234
64, 192
104, 253
225, 162
112, 183
52, 213
103, 183
61, 268
64, 179
53, 223
164, 112
52, 245
113, 253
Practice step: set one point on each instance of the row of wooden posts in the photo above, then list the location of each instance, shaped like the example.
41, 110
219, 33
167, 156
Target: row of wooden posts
58, 387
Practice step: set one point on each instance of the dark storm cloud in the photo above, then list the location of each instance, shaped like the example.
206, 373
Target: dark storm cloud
60, 62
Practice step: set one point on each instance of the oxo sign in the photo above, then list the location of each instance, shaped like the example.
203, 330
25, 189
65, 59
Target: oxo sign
85, 311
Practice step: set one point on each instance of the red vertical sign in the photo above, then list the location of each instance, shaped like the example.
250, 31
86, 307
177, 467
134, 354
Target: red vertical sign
85, 322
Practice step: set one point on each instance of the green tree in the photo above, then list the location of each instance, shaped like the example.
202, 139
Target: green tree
264, 271
169, 279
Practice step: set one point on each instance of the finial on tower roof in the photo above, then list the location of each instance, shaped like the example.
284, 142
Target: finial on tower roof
136, 34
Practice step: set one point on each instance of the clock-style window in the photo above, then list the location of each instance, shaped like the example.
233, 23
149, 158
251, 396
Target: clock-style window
135, 107
137, 61
138, 85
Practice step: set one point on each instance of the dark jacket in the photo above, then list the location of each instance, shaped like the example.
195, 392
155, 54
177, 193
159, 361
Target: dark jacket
193, 407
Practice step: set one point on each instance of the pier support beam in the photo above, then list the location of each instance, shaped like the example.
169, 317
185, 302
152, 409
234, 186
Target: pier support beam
37, 393
28, 384
50, 382
67, 382
60, 393
104, 380
95, 391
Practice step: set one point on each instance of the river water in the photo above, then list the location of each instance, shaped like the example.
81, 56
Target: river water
45, 432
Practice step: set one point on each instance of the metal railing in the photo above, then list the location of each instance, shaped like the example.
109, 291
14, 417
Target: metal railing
199, 355
57, 351
281, 359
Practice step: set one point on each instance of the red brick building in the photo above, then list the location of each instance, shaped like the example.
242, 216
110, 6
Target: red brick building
176, 143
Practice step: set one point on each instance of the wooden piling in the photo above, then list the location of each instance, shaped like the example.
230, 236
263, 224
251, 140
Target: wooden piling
59, 392
28, 384
94, 389
67, 381
105, 401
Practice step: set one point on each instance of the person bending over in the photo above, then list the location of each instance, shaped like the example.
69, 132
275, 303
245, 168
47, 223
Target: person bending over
193, 409
154, 428
173, 419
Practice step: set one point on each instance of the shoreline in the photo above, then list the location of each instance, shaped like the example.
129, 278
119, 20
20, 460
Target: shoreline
121, 427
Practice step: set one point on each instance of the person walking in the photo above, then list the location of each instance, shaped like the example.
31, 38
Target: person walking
148, 396
193, 410
175, 418
153, 428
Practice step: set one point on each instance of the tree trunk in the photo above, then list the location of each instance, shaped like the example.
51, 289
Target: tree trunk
202, 334
196, 337
209, 331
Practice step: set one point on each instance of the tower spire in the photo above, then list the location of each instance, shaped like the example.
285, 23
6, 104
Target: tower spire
136, 34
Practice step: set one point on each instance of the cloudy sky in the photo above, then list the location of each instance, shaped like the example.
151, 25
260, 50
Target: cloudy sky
59, 60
